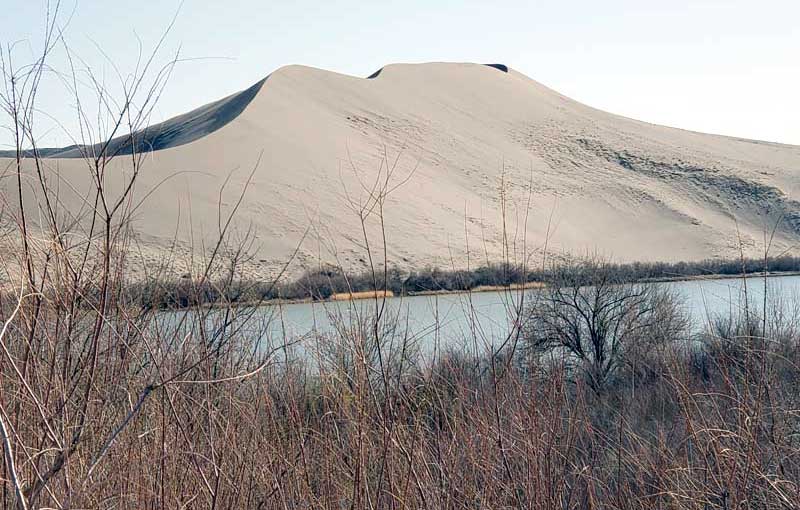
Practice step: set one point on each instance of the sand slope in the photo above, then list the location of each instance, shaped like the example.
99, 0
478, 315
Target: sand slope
459, 133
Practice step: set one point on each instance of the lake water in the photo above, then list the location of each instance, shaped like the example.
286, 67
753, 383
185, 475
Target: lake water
482, 319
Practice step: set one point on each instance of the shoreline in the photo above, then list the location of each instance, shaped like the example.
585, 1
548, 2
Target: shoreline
689, 278
364, 295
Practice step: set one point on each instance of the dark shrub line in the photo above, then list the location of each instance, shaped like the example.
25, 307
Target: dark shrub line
323, 283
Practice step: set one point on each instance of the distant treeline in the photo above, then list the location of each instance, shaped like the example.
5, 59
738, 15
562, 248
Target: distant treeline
323, 283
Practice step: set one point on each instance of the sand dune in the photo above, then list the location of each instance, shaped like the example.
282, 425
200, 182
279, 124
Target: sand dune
580, 178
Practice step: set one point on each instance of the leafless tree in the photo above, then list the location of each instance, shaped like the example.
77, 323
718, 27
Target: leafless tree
589, 315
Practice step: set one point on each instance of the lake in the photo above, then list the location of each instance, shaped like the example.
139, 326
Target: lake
481, 319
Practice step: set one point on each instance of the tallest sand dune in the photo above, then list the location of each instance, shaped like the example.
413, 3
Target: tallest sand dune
462, 139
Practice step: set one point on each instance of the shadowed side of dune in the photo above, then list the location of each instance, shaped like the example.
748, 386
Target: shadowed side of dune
499, 67
176, 131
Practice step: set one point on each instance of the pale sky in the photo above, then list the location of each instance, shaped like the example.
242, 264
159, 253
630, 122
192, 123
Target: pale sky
729, 67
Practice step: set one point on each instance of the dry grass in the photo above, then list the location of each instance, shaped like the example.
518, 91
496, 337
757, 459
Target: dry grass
710, 428
366, 294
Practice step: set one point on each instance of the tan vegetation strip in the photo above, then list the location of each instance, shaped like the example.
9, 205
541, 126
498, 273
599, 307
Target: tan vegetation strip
367, 294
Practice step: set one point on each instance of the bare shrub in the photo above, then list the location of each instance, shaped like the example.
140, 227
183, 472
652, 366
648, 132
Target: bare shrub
597, 321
